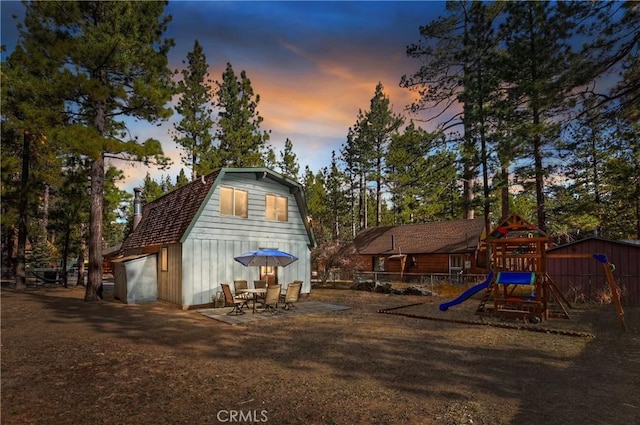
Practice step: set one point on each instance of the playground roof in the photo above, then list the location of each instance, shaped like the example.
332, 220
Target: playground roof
515, 226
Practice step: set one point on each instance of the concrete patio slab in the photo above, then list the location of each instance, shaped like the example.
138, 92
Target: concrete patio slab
302, 308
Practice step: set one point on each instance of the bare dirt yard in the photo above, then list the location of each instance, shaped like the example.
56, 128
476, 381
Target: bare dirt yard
65, 361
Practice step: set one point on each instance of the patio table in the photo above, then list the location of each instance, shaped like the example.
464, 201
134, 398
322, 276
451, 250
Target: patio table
255, 292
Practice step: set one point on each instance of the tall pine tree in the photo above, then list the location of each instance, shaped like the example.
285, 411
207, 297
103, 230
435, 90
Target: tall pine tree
194, 131
107, 61
241, 142
288, 163
540, 70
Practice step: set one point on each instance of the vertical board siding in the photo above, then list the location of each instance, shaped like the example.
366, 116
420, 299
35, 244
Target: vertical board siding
169, 282
586, 277
214, 241
215, 265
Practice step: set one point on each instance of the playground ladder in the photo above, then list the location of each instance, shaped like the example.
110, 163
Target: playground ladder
485, 297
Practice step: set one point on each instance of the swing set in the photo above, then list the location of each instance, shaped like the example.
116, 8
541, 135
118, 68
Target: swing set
519, 285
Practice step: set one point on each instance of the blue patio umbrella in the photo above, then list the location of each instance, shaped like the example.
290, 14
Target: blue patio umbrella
266, 257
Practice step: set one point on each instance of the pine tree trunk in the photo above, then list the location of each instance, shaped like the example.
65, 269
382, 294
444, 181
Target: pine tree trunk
83, 247
8, 260
539, 176
65, 254
637, 203
94, 281
45, 211
21, 272
504, 193
467, 198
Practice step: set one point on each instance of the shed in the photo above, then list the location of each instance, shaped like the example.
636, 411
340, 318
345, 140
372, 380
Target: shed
135, 279
584, 278
195, 231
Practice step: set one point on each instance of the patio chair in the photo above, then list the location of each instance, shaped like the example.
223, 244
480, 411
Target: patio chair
271, 299
230, 301
238, 286
260, 284
292, 295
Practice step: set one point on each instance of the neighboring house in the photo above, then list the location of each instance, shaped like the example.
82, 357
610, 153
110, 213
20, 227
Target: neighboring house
108, 255
584, 278
185, 243
438, 247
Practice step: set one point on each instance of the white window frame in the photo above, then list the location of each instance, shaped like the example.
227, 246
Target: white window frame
456, 263
279, 212
237, 210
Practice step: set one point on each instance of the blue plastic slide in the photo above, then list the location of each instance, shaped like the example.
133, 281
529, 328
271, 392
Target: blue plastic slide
468, 293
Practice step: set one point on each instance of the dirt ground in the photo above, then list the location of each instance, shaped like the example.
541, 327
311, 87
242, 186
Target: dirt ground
65, 361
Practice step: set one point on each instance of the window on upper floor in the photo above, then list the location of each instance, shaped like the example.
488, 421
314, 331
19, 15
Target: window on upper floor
277, 208
234, 202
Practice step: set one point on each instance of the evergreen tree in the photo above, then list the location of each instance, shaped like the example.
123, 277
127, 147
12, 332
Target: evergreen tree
379, 125
613, 51
363, 155
421, 174
316, 197
10, 159
288, 163
29, 107
70, 210
181, 179
270, 158
115, 212
241, 143
481, 96
151, 189
337, 198
106, 60
622, 180
456, 80
356, 155
193, 132
540, 71
587, 149
166, 184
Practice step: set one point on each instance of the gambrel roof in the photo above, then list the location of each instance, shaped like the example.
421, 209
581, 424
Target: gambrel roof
166, 220
457, 236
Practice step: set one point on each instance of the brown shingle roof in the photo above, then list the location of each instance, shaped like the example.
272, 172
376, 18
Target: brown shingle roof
456, 236
165, 220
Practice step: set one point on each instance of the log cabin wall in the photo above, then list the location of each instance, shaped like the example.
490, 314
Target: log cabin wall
423, 264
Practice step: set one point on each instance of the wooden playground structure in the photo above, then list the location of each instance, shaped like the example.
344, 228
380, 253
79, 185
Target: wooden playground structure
519, 285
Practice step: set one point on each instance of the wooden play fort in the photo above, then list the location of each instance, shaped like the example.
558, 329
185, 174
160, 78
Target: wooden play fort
518, 285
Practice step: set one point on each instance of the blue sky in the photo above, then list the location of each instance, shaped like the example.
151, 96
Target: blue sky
314, 64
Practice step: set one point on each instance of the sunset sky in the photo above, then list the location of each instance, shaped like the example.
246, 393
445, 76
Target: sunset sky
314, 64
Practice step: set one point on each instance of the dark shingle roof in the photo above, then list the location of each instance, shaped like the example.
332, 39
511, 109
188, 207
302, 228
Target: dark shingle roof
456, 236
165, 220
